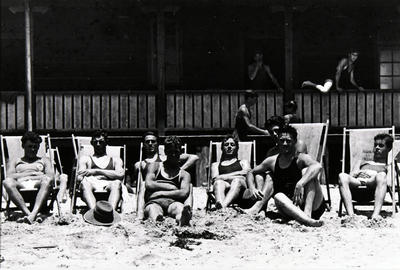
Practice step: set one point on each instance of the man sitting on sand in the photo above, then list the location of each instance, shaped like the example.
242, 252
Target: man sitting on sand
372, 174
30, 171
229, 173
100, 172
168, 186
297, 195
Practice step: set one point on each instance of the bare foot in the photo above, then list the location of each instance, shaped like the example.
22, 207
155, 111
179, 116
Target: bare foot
315, 223
186, 216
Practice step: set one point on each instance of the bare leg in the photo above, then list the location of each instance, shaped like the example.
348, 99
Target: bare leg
237, 185
87, 194
220, 187
115, 193
182, 214
11, 187
267, 191
380, 193
154, 212
259, 179
61, 196
345, 181
313, 196
286, 206
41, 198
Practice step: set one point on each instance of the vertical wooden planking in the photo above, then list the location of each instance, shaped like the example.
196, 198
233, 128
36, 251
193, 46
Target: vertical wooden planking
325, 113
142, 111
225, 111
234, 108
370, 109
87, 112
170, 110
105, 116
115, 110
387, 114
11, 115
49, 115
133, 123
278, 104
20, 112
343, 120
58, 108
77, 112
316, 105
152, 110
39, 111
298, 97
123, 107
361, 110
261, 112
3, 115
307, 107
378, 109
198, 111
189, 110
334, 109
216, 111
207, 111
96, 111
179, 111
270, 104
352, 109
396, 108
68, 112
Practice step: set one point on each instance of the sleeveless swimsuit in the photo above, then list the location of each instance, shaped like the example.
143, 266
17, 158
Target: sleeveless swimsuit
234, 167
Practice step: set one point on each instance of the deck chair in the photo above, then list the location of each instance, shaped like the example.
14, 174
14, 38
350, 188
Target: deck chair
11, 149
87, 149
361, 147
140, 181
315, 135
247, 151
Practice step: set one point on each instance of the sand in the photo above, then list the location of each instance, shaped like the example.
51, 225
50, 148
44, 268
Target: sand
217, 240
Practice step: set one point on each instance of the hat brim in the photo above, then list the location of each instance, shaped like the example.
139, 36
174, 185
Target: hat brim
89, 218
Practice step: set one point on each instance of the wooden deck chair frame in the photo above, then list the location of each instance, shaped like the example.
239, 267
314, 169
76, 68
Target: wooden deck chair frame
242, 155
390, 131
29, 195
111, 149
316, 153
140, 181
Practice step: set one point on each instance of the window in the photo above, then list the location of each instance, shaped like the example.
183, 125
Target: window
389, 71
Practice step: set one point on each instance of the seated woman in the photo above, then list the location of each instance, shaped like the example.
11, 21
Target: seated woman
228, 175
29, 171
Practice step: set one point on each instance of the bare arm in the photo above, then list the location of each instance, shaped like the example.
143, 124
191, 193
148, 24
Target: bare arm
273, 79
353, 81
178, 194
339, 70
253, 128
266, 165
13, 174
117, 173
188, 160
151, 184
252, 71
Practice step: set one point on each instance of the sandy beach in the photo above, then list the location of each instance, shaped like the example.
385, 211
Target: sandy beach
217, 240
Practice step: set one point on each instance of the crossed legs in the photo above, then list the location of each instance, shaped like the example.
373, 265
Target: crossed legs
226, 193
267, 190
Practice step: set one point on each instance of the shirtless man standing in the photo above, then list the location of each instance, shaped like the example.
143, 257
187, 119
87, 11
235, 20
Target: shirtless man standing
297, 195
100, 172
372, 174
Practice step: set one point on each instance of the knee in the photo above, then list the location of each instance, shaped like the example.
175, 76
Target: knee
381, 178
239, 182
85, 185
9, 183
137, 166
116, 185
343, 179
219, 184
45, 182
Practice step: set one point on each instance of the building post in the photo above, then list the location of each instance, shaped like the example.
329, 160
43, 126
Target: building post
161, 98
28, 58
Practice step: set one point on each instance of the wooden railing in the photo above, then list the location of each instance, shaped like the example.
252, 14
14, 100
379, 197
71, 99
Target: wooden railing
193, 110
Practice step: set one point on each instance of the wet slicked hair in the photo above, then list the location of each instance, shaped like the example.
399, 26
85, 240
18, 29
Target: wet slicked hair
150, 133
173, 141
31, 136
100, 133
386, 138
288, 129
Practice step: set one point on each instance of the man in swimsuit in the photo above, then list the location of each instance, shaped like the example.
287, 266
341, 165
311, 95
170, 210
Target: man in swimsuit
168, 186
100, 172
297, 195
228, 175
372, 174
243, 125
260, 75
30, 171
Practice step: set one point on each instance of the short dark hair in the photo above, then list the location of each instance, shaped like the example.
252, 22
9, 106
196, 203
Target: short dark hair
386, 138
291, 104
288, 129
150, 133
250, 94
31, 136
100, 133
174, 142
275, 120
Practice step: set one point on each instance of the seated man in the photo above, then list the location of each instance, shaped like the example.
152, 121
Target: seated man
297, 195
371, 174
168, 186
30, 171
100, 172
151, 154
228, 175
